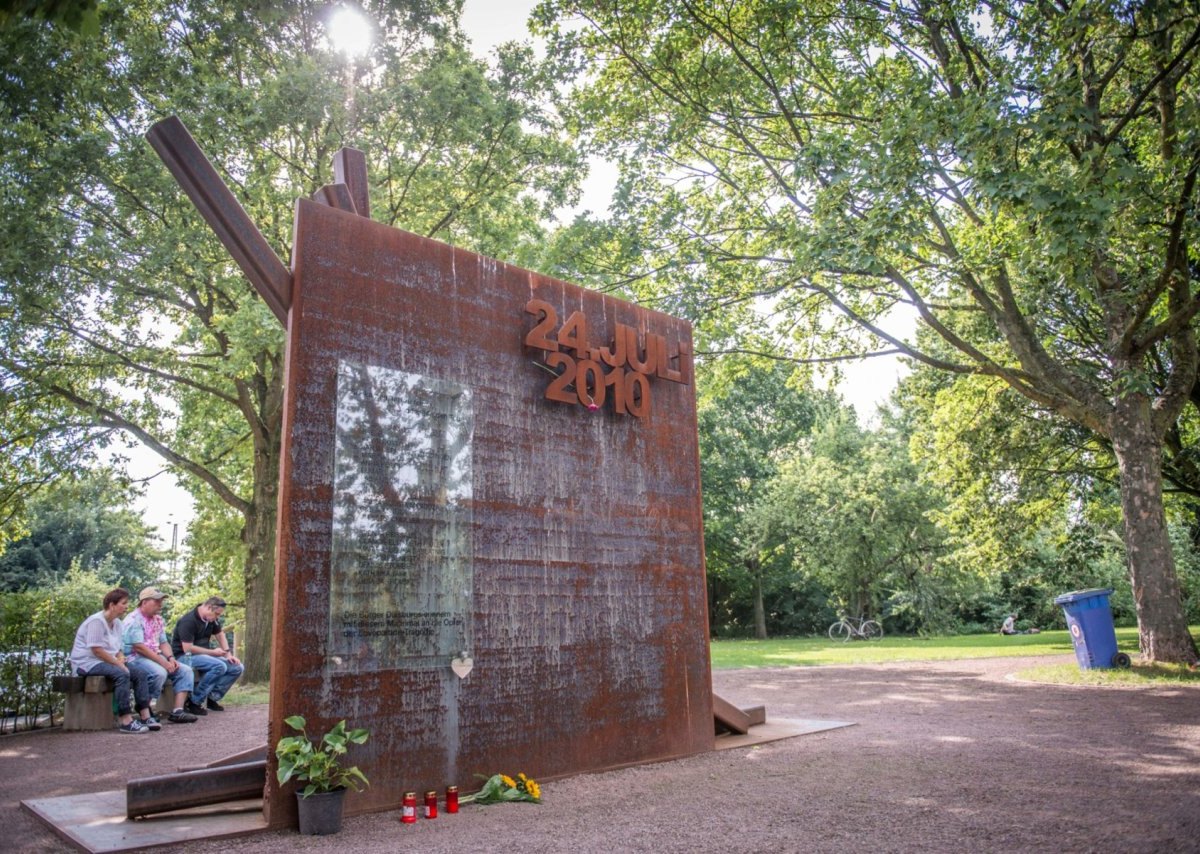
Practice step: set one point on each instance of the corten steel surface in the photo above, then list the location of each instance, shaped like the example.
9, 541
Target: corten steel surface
729, 716
587, 623
350, 168
336, 196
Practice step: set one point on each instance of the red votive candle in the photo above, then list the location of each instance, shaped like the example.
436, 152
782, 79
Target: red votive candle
408, 809
431, 805
452, 799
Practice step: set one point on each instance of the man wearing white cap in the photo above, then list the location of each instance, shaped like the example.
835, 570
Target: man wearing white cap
148, 650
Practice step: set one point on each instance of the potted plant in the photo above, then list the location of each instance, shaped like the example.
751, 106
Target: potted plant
319, 766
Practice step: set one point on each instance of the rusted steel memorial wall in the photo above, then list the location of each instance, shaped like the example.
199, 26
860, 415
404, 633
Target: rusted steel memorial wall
490, 549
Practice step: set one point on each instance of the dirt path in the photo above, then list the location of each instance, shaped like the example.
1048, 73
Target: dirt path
946, 756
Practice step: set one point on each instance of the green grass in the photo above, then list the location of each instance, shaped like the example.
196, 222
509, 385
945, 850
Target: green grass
1139, 674
812, 652
248, 694
808, 652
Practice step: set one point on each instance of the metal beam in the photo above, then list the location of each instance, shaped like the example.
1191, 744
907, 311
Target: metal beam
233, 226
336, 196
254, 754
183, 790
350, 168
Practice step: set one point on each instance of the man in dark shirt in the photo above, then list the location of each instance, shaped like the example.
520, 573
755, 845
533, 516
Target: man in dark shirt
216, 669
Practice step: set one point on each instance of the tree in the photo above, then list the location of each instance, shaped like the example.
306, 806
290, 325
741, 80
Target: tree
41, 441
1032, 503
83, 16
1005, 467
849, 509
117, 303
85, 522
1021, 177
751, 413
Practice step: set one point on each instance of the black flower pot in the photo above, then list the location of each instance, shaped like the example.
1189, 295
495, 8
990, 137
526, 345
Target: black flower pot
321, 814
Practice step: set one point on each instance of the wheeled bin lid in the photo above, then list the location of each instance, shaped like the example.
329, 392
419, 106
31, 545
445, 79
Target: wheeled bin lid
1079, 595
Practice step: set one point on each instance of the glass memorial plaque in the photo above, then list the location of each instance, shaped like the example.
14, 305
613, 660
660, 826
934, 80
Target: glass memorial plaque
401, 581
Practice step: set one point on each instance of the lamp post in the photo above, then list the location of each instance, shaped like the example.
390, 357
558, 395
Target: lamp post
174, 541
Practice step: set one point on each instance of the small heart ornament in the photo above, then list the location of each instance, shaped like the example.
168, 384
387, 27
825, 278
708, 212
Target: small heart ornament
462, 665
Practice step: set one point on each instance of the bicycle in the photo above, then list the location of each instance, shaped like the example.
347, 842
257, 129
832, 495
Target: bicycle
846, 628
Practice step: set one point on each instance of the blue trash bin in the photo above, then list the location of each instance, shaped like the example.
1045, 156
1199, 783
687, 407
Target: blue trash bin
1090, 620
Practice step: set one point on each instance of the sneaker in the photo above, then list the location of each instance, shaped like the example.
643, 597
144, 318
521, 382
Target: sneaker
133, 728
214, 706
194, 708
151, 723
179, 716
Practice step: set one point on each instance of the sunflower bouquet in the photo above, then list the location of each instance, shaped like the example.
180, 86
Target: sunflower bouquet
501, 788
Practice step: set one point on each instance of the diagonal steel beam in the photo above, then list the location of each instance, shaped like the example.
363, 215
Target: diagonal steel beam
221, 210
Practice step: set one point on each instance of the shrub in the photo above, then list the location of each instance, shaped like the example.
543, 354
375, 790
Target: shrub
37, 629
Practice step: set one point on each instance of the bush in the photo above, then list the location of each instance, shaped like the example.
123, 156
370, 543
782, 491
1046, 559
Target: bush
37, 630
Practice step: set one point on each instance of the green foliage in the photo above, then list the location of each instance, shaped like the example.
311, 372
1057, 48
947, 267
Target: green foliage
318, 764
849, 511
215, 562
750, 414
87, 521
1019, 176
41, 442
120, 310
1187, 562
1031, 504
81, 16
37, 630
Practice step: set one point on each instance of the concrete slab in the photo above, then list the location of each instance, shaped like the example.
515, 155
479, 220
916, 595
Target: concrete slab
95, 822
775, 729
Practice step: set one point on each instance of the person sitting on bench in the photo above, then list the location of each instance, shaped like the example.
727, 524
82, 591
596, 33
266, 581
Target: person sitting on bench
147, 649
97, 652
217, 668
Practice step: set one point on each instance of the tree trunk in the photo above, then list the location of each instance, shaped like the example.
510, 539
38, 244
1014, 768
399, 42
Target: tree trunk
1162, 623
258, 534
760, 613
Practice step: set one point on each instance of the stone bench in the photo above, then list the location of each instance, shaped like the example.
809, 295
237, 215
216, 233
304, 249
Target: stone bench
90, 703
165, 702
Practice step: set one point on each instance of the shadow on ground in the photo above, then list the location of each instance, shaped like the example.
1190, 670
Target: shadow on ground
947, 756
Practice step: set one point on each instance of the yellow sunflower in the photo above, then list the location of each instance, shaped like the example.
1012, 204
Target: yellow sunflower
508, 781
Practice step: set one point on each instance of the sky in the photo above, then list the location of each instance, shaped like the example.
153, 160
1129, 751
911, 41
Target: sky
488, 23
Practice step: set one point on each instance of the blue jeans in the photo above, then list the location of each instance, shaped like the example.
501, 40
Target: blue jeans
157, 676
122, 679
216, 676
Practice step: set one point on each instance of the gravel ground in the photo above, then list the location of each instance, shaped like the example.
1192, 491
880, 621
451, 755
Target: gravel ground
946, 756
